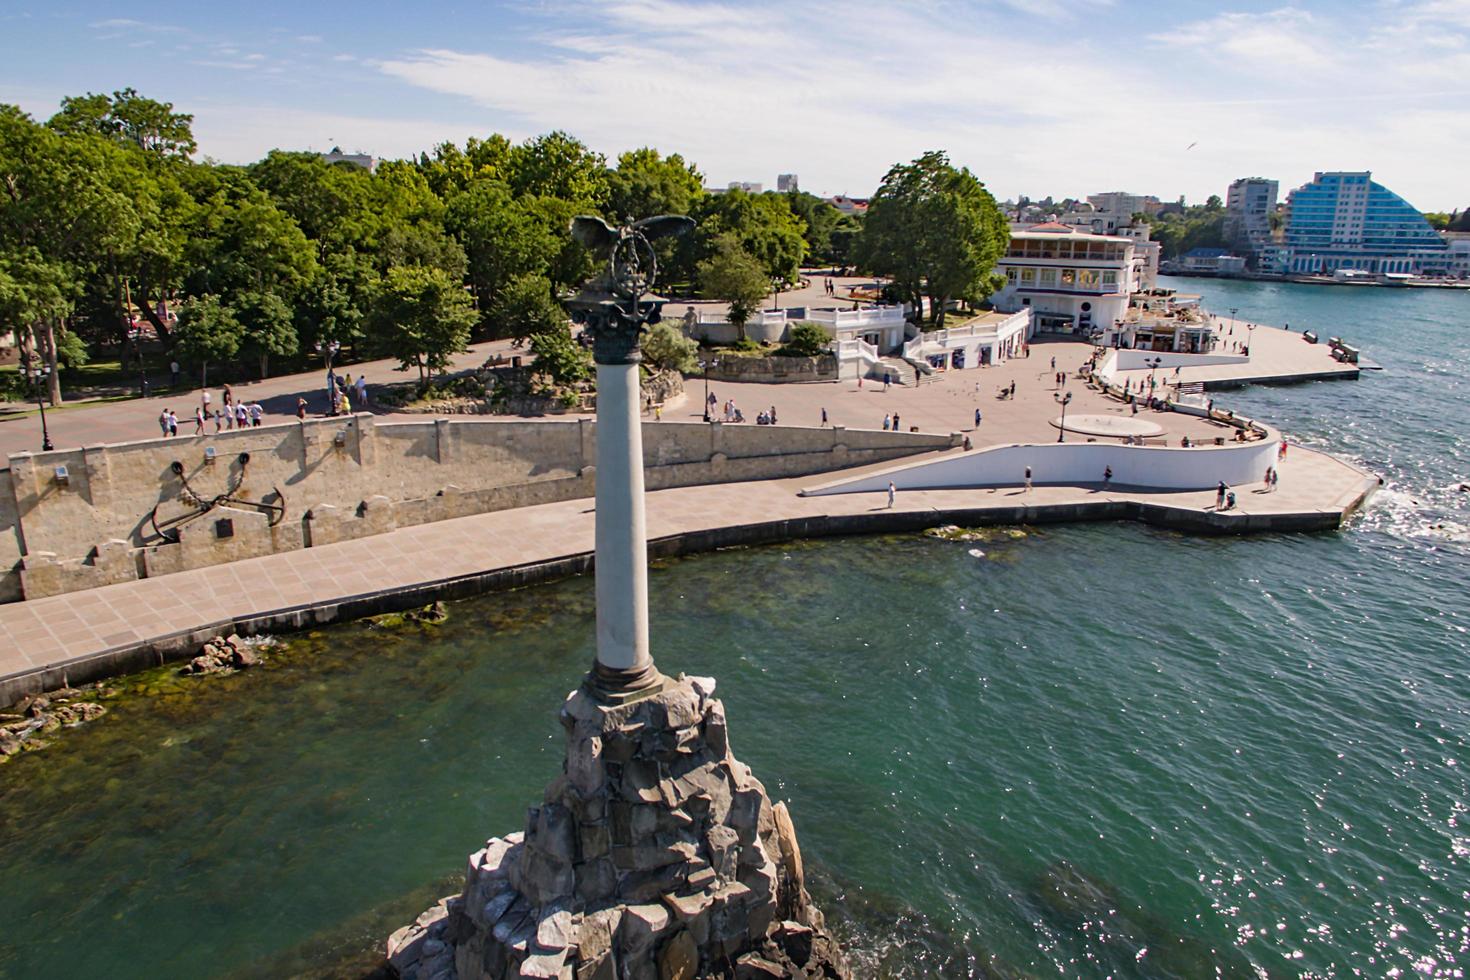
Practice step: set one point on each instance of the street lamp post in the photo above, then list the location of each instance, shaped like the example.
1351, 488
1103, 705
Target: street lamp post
1232, 318
707, 363
1064, 401
37, 373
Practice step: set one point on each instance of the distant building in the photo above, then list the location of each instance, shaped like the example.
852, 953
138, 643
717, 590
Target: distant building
1073, 281
1459, 253
1124, 203
1216, 260
849, 205
1346, 220
786, 183
1249, 204
362, 160
1146, 256
748, 186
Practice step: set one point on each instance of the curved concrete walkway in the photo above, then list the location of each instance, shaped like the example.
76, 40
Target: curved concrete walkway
83, 636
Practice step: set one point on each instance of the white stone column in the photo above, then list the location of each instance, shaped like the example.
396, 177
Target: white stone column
622, 565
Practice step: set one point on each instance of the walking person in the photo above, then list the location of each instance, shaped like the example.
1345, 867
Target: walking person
895, 421
1028, 479
1220, 496
242, 415
301, 408
228, 397
1107, 477
362, 398
199, 420
163, 422
1281, 451
255, 413
887, 422
977, 418
773, 414
173, 424
219, 419
173, 374
892, 493
1266, 481
824, 416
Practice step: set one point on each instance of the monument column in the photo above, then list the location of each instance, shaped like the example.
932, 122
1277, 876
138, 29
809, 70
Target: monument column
624, 665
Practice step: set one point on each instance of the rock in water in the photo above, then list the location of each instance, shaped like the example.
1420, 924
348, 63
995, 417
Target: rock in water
655, 854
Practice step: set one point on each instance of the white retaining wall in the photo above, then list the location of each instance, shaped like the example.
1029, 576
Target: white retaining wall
1129, 359
1077, 464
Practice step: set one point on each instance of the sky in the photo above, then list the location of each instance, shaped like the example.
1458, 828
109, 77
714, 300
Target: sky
1036, 97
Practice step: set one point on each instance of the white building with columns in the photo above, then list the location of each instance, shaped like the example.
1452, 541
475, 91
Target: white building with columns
1072, 281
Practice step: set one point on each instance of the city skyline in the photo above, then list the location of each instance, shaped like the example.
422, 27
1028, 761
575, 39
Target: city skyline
1080, 95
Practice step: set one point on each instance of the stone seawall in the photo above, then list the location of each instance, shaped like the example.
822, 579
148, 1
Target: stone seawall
775, 370
101, 515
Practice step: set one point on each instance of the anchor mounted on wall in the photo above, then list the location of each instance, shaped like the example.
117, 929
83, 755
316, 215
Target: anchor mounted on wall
200, 504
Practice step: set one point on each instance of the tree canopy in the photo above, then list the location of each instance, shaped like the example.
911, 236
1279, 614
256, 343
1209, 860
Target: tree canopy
937, 232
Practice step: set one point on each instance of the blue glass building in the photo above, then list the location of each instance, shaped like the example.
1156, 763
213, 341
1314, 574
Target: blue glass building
1349, 221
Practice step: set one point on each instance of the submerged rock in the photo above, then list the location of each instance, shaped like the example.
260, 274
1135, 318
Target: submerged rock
431, 615
223, 656
39, 714
953, 532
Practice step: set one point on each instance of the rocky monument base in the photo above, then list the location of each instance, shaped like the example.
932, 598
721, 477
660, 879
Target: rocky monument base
656, 854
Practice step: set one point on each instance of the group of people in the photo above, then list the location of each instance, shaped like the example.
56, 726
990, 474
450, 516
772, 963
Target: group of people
231, 414
890, 422
829, 286
766, 418
342, 391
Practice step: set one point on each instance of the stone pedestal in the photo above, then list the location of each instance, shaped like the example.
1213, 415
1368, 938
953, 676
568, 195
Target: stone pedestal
655, 855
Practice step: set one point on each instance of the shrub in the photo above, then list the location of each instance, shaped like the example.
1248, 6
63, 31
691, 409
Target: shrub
807, 340
665, 347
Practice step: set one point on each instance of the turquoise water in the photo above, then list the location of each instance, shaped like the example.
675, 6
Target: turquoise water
1096, 750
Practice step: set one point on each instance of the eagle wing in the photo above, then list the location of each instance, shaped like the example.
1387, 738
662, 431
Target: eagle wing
664, 225
595, 235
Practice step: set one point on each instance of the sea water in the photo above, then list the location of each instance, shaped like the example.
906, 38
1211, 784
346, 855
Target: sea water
1090, 750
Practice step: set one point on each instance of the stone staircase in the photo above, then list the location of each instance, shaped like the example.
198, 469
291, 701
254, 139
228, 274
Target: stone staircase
901, 371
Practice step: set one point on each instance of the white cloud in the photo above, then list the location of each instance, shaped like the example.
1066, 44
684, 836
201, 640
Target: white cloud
1035, 96
1284, 41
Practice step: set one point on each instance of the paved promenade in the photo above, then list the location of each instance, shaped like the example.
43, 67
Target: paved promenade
126, 626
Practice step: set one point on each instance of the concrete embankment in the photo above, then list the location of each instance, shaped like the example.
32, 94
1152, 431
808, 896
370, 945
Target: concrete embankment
83, 636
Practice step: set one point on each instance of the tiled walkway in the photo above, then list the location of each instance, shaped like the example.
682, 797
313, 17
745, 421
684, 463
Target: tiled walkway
61, 629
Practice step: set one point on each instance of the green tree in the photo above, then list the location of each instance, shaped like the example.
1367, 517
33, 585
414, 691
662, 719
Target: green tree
762, 224
937, 232
561, 166
420, 317
735, 276
130, 118
666, 348
525, 308
646, 184
208, 332
1438, 220
501, 237
821, 220
67, 199
268, 325
559, 357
